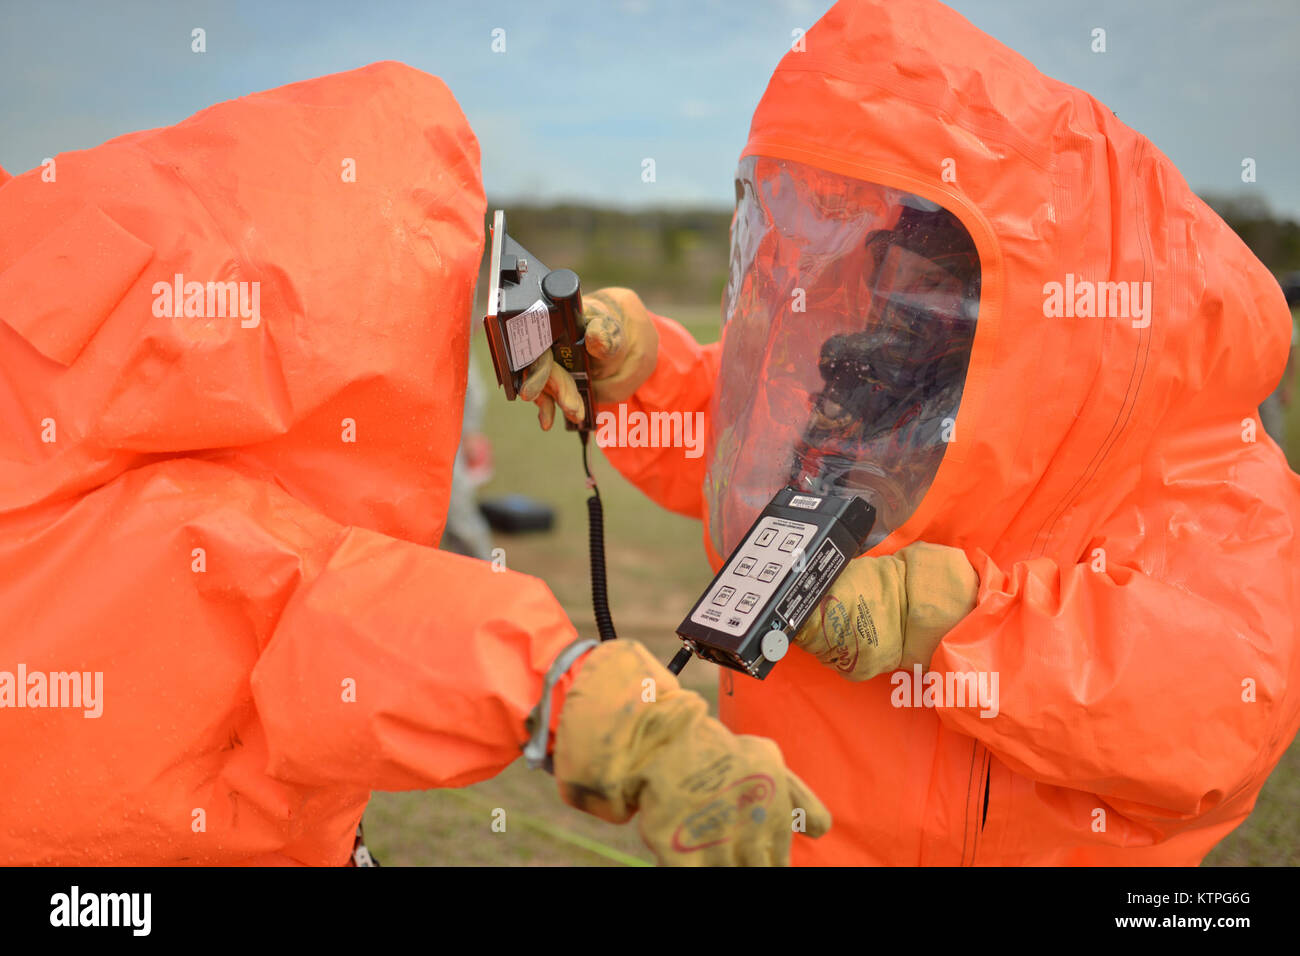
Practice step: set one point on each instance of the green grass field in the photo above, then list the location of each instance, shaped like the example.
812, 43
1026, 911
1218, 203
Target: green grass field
656, 569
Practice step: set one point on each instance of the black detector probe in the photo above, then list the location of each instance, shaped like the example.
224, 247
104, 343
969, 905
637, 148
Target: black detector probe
531, 309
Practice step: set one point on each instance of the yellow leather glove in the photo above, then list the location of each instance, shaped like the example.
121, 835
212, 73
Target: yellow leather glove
623, 344
631, 741
890, 612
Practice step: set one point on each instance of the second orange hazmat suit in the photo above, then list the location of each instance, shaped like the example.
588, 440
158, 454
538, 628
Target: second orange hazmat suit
1133, 529
186, 501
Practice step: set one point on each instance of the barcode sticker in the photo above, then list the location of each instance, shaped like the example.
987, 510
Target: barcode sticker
805, 501
528, 335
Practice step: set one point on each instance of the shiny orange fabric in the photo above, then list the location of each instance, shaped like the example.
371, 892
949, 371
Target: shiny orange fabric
181, 508
1133, 527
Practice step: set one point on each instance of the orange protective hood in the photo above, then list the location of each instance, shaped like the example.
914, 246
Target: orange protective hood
345, 387
1054, 189
221, 624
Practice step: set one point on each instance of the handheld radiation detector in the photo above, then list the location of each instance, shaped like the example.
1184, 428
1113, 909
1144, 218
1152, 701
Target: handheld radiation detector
775, 579
531, 309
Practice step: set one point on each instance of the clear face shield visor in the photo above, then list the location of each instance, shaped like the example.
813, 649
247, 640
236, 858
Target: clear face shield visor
850, 311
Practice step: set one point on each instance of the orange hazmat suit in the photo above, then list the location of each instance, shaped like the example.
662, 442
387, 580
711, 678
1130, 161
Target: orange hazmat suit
1132, 527
232, 362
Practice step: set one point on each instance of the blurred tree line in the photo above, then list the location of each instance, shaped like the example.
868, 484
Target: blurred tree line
1274, 240
680, 255
666, 255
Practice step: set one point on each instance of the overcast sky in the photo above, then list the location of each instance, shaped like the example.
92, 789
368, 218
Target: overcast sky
580, 97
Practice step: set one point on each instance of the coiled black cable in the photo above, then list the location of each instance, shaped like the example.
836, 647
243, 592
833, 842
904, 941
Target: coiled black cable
596, 538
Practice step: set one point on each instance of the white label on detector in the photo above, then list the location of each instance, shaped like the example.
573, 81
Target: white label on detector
528, 335
805, 501
739, 594
812, 584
